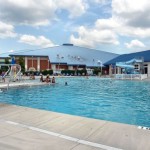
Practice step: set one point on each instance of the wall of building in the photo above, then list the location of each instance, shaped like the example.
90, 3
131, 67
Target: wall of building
44, 64
70, 67
39, 63
61, 67
32, 63
75, 67
118, 69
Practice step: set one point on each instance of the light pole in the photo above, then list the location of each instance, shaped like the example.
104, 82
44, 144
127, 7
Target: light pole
100, 63
32, 61
58, 58
48, 64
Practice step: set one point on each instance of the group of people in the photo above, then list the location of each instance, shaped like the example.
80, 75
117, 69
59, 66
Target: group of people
47, 79
32, 77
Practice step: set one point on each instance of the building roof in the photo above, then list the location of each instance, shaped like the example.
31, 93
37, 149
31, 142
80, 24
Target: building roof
71, 55
145, 55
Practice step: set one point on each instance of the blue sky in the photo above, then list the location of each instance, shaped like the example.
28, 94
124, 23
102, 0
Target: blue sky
118, 26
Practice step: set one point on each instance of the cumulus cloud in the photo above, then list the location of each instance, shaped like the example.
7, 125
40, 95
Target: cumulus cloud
36, 41
133, 17
101, 33
129, 18
37, 12
101, 1
75, 8
135, 44
27, 12
110, 23
134, 13
11, 51
6, 30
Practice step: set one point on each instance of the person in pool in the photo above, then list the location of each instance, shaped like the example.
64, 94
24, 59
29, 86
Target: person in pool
41, 79
47, 80
53, 80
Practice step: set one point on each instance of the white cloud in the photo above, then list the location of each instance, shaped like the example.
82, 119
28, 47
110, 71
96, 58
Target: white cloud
101, 1
101, 33
134, 13
129, 18
37, 12
133, 17
36, 41
11, 51
6, 30
135, 44
110, 23
27, 12
76, 8
94, 37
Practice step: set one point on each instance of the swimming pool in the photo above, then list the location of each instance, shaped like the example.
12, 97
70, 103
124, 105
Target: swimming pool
105, 99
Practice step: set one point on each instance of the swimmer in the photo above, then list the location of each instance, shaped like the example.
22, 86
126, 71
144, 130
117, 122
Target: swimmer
53, 80
66, 83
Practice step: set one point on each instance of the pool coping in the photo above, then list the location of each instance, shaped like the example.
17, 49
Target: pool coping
30, 126
22, 84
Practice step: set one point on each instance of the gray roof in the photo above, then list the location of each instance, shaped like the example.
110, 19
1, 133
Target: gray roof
71, 55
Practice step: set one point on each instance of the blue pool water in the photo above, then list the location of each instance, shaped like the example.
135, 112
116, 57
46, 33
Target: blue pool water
106, 99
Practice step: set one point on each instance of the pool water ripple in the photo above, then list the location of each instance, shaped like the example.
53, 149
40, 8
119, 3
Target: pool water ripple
106, 99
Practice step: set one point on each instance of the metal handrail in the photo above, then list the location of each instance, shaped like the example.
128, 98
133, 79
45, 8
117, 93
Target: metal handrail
17, 72
10, 70
7, 71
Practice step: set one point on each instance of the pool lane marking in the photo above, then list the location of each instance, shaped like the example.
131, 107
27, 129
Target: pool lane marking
69, 138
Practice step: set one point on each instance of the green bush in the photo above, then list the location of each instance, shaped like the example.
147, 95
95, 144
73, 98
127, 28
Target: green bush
29, 72
4, 68
74, 72
45, 72
68, 72
81, 72
96, 71
21, 62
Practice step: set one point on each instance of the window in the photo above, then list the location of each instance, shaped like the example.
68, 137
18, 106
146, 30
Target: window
145, 68
136, 67
145, 65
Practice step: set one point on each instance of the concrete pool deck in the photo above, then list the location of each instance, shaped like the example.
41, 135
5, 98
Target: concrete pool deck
26, 128
21, 84
28, 82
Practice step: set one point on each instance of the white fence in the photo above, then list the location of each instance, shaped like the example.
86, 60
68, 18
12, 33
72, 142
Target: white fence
131, 76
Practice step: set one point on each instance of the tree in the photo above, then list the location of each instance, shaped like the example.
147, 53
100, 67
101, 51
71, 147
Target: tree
96, 71
5, 68
21, 62
7, 61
